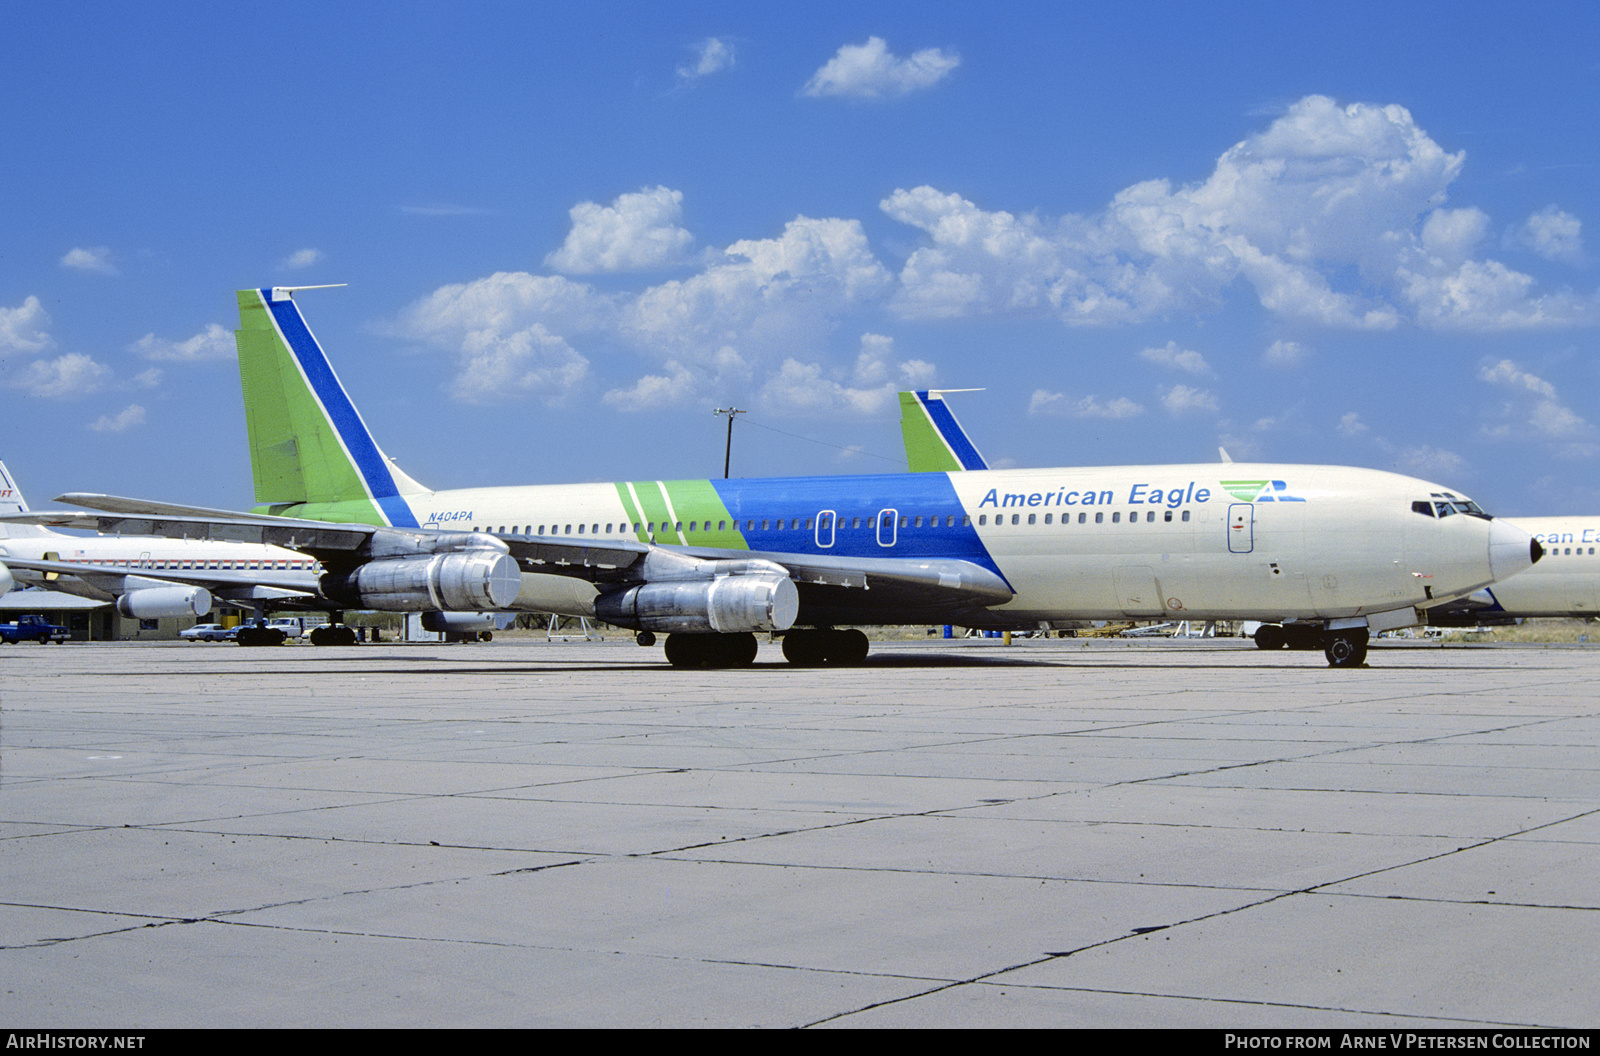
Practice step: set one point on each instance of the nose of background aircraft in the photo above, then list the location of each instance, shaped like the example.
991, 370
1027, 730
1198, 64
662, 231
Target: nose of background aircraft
1511, 549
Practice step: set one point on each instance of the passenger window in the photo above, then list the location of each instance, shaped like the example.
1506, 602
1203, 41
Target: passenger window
983, 519
1116, 518
1099, 518
1047, 517
1032, 518
1167, 516
1186, 515
1016, 518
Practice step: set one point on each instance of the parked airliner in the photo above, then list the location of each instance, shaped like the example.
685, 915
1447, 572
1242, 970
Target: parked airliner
1565, 584
149, 577
713, 562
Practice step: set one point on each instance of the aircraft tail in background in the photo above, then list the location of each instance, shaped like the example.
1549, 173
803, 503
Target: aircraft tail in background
11, 501
310, 452
935, 441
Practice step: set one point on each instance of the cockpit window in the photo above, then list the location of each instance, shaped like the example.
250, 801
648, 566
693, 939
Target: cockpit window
1444, 504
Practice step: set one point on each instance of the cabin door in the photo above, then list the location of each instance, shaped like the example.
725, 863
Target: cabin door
1241, 528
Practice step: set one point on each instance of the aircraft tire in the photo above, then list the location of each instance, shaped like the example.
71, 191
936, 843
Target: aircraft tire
825, 647
711, 650
1347, 649
852, 650
803, 648
1269, 636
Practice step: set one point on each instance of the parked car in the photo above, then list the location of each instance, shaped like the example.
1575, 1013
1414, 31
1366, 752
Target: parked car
208, 632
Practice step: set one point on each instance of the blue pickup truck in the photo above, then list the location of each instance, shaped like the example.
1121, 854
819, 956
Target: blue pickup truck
32, 629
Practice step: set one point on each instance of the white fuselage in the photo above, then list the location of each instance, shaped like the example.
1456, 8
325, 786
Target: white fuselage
1229, 541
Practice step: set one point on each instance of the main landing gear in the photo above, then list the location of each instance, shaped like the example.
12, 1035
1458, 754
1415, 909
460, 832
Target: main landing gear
711, 650
809, 647
1345, 648
825, 647
332, 634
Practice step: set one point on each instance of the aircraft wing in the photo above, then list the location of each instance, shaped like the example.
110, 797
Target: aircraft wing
230, 585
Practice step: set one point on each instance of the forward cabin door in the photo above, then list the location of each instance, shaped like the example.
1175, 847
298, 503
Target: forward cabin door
1241, 527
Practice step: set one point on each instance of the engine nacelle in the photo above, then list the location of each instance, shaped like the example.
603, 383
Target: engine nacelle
151, 603
6, 580
726, 605
466, 622
467, 581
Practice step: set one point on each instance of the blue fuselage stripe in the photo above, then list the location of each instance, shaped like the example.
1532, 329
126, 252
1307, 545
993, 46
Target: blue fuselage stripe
859, 504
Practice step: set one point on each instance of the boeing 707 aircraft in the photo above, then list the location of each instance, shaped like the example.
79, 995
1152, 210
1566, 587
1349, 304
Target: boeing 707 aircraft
713, 562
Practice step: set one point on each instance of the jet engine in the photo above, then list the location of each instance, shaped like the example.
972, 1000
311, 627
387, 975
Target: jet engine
465, 581
726, 604
149, 603
465, 622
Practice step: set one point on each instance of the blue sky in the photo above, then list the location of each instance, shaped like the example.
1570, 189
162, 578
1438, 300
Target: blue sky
1342, 233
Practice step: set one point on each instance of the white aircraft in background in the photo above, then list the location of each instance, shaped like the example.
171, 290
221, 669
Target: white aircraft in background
148, 577
1564, 583
711, 562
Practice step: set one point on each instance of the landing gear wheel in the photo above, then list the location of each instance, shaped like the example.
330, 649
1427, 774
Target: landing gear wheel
251, 636
645, 638
815, 648
1346, 649
1269, 636
711, 650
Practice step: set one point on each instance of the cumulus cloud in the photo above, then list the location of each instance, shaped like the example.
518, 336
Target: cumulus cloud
90, 258
1170, 355
22, 327
64, 377
1536, 409
1431, 463
130, 416
212, 343
1057, 403
1181, 399
869, 387
870, 71
302, 258
1334, 215
1554, 235
712, 55
633, 233
1285, 354
495, 368
1351, 425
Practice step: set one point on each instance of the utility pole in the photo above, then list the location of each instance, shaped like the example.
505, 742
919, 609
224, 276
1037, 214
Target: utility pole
727, 455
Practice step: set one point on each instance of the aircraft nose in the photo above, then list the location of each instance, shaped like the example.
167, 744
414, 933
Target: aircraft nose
1511, 549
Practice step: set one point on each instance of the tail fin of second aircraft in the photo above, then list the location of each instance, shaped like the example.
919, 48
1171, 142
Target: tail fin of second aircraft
11, 501
935, 441
310, 452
